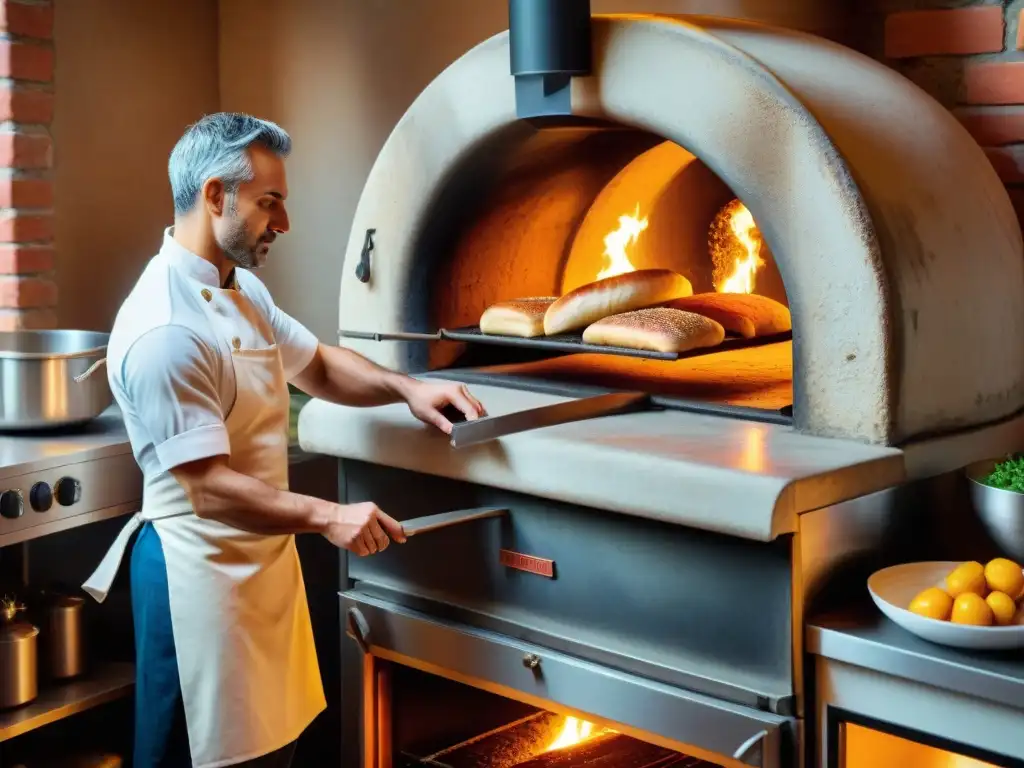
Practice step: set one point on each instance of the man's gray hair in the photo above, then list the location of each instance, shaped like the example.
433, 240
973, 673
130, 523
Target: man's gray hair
216, 147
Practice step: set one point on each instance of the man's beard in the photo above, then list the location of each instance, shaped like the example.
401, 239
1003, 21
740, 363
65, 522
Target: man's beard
235, 247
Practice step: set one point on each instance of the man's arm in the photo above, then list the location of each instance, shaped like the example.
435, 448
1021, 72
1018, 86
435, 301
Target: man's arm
171, 379
219, 493
342, 376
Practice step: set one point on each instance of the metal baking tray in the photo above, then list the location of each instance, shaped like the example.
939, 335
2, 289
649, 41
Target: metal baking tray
571, 343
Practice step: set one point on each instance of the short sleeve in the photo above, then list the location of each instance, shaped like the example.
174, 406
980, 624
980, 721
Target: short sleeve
297, 343
170, 378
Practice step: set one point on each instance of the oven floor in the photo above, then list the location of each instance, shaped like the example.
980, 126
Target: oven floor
757, 377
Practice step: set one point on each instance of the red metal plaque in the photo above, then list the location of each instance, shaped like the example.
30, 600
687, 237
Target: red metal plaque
535, 565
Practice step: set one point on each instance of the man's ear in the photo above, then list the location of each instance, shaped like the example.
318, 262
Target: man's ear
214, 197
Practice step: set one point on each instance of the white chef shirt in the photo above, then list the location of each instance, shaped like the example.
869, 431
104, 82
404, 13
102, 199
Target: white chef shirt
169, 365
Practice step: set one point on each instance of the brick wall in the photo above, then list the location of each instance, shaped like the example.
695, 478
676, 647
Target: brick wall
970, 56
28, 294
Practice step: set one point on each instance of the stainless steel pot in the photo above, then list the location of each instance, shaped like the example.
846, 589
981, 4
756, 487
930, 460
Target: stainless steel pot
38, 371
18, 656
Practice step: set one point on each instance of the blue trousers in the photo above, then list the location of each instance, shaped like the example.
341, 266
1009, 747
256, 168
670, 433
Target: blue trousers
161, 737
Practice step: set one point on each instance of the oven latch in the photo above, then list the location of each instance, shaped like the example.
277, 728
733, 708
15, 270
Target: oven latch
363, 267
358, 629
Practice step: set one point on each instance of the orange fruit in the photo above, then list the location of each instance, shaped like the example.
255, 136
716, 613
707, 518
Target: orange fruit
967, 577
932, 603
1003, 607
1002, 575
971, 609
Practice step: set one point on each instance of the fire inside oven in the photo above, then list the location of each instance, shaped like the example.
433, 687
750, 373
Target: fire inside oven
444, 724
539, 212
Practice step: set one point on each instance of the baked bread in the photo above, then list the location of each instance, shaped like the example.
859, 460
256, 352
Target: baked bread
744, 314
656, 329
520, 317
612, 296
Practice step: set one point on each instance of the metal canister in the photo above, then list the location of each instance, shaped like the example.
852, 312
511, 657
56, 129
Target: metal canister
18, 656
64, 636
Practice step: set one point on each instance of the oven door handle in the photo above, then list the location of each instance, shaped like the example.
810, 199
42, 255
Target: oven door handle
447, 519
743, 751
358, 628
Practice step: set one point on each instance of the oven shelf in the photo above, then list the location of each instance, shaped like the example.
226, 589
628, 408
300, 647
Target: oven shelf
571, 343
105, 683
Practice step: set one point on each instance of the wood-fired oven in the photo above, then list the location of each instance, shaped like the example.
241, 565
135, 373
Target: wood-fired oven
641, 579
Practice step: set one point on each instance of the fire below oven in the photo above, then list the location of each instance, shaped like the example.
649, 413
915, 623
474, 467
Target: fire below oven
511, 631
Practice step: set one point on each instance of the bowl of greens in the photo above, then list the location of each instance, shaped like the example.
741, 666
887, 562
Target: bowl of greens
997, 492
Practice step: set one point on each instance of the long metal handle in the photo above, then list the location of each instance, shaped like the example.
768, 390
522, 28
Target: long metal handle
374, 336
447, 519
492, 427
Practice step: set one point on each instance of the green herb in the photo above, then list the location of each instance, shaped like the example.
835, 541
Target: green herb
1008, 475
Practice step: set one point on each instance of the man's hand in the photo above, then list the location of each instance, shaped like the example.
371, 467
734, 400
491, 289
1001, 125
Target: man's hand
363, 529
427, 399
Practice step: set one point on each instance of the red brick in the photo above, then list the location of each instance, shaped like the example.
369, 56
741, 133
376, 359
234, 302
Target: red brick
961, 31
27, 319
26, 61
996, 82
29, 20
993, 126
26, 193
23, 150
25, 105
1020, 32
26, 259
27, 292
18, 227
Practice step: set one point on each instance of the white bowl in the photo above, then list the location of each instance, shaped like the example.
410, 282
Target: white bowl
893, 588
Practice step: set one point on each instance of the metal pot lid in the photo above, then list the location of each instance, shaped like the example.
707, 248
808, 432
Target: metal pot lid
17, 632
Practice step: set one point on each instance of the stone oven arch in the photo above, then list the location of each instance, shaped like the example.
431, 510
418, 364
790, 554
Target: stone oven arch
907, 291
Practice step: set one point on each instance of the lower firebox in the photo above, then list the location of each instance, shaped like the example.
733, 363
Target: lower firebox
444, 724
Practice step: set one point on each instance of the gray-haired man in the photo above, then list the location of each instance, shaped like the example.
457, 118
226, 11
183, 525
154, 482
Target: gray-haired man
199, 360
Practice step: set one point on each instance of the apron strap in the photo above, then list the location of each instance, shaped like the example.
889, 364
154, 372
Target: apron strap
98, 585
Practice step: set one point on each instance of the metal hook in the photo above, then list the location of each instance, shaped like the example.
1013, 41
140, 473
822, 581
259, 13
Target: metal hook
363, 267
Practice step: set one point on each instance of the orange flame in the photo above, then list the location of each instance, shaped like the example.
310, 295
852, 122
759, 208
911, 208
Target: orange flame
735, 249
618, 242
574, 731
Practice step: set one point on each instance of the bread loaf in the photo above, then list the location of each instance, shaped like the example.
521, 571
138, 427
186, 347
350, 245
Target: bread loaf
744, 314
612, 296
656, 329
521, 317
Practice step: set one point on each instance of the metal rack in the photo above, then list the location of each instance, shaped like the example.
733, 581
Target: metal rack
571, 343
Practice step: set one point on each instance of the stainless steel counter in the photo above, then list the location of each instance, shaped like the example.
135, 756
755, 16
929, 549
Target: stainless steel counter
26, 452
866, 639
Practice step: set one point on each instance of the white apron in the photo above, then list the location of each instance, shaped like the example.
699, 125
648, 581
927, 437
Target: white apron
250, 681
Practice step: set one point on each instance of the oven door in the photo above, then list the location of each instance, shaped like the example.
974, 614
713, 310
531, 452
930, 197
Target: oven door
392, 636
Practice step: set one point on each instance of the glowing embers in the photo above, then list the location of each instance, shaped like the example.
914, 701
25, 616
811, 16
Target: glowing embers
735, 247
575, 731
548, 740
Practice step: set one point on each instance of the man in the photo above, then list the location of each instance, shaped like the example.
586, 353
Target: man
199, 360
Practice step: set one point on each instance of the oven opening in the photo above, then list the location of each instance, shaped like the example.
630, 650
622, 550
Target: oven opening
540, 212
445, 724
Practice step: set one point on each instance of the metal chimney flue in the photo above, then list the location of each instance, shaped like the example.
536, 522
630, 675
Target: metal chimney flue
549, 43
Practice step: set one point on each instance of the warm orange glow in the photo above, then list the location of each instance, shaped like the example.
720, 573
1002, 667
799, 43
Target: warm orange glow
618, 242
735, 249
574, 731
752, 458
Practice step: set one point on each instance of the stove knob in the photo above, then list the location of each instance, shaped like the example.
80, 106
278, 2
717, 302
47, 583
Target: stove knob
11, 505
41, 497
68, 491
